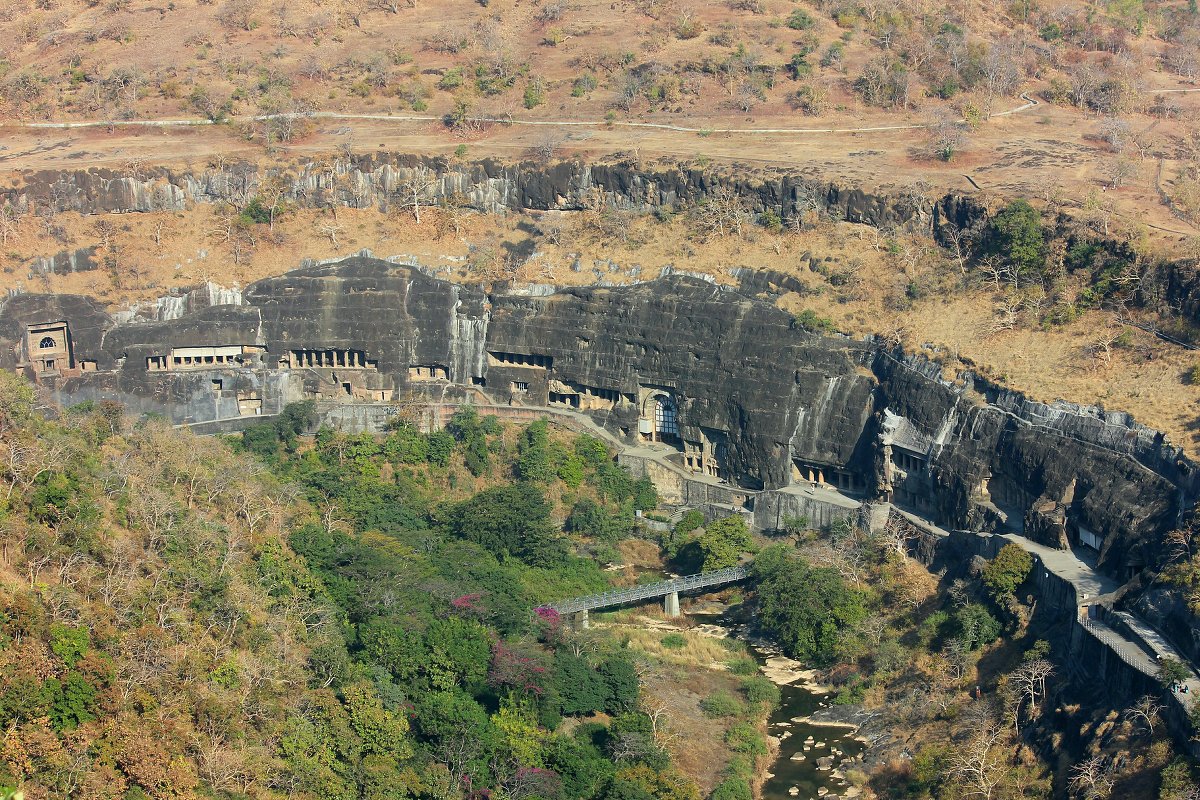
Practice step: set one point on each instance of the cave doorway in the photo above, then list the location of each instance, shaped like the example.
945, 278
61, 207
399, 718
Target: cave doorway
661, 412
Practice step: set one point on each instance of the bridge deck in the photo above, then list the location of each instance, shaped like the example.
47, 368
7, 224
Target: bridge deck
619, 597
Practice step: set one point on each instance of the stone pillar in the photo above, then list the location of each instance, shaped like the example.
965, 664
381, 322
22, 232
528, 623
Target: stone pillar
671, 604
581, 620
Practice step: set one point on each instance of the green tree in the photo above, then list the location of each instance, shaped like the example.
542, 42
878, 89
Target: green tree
510, 521
723, 542
810, 610
975, 625
1007, 571
1017, 236
533, 453
589, 518
439, 448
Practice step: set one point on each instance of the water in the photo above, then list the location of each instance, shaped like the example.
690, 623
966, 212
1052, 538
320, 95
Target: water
796, 773
788, 772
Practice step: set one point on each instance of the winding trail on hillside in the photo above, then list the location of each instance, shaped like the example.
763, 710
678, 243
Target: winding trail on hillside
1029, 103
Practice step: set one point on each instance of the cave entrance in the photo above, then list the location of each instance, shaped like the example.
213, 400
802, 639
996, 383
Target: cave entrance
660, 418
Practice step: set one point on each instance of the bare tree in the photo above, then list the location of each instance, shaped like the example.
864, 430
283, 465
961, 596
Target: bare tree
331, 231
10, 224
1119, 170
979, 763
1145, 713
1092, 779
548, 144
722, 213
1030, 681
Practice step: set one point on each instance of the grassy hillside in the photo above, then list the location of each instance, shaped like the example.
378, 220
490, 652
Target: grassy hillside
179, 620
126, 58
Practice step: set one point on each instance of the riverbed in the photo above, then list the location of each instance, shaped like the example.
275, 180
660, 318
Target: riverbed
812, 758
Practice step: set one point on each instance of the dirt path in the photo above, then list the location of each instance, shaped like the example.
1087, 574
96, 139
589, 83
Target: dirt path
561, 123
1038, 151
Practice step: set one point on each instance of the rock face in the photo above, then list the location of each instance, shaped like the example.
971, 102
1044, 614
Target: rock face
728, 385
487, 185
81, 260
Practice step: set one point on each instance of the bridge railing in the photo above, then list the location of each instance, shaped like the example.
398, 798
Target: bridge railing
618, 597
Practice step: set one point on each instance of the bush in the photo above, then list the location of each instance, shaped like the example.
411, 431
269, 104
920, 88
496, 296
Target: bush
674, 641
721, 704
535, 93
800, 20
732, 789
743, 666
759, 690
745, 738
812, 322
584, 84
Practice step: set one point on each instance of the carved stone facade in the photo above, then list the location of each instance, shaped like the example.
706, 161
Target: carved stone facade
725, 386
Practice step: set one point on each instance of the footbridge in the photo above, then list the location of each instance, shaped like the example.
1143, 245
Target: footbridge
668, 590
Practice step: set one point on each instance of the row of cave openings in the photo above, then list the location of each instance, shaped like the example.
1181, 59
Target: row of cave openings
46, 351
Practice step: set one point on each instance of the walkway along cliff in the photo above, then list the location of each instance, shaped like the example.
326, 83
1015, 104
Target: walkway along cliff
722, 399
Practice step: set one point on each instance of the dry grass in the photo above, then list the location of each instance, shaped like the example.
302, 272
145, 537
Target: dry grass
156, 252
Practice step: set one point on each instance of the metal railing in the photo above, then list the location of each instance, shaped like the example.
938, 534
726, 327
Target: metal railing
1124, 649
618, 597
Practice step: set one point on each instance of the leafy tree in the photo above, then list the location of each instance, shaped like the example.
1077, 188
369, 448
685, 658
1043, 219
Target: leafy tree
459, 653
1017, 236
1007, 571
439, 448
975, 626
1172, 671
589, 518
580, 688
620, 678
510, 521
810, 610
571, 471
584, 770
591, 450
533, 453
723, 542
68, 643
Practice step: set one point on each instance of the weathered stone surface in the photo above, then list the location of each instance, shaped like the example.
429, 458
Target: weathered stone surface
746, 380
68, 261
488, 185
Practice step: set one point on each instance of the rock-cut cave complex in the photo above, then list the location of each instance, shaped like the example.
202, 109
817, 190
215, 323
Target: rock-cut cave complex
739, 406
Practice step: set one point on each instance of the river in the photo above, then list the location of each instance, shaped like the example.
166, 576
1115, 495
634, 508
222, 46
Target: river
812, 757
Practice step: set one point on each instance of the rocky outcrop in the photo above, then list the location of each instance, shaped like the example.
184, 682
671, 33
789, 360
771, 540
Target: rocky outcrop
733, 383
487, 185
68, 261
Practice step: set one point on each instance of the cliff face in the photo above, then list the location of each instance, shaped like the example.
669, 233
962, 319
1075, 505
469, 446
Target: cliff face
487, 185
397, 315
737, 368
729, 385
998, 459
